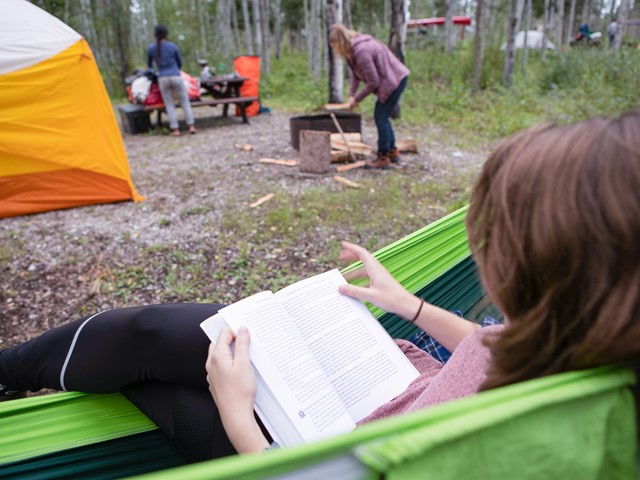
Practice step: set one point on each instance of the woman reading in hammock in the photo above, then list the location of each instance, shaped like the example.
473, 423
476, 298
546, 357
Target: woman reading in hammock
554, 226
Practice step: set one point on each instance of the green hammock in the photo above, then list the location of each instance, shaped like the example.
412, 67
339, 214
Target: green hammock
578, 423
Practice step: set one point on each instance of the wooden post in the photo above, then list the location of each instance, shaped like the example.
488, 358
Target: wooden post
315, 151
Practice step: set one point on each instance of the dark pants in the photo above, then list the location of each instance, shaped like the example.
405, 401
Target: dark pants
382, 116
154, 354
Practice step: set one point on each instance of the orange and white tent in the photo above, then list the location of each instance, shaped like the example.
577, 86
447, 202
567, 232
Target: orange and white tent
60, 145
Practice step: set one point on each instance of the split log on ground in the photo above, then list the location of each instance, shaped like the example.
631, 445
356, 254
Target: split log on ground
350, 136
355, 147
333, 107
407, 146
339, 156
351, 166
277, 161
346, 182
315, 151
261, 200
244, 146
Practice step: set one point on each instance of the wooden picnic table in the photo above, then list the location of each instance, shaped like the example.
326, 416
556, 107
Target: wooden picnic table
225, 90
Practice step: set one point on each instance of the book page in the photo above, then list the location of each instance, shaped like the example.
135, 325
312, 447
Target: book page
266, 405
289, 368
361, 360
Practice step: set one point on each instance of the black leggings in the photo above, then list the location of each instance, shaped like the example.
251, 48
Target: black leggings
154, 354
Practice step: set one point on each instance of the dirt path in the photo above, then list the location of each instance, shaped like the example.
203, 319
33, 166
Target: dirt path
54, 265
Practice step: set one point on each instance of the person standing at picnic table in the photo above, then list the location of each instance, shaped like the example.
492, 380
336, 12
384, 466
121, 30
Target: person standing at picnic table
166, 57
383, 74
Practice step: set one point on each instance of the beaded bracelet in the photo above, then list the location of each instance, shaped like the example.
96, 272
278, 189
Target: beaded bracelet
418, 312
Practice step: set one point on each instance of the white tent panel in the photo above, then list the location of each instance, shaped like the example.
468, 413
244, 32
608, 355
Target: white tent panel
534, 40
29, 35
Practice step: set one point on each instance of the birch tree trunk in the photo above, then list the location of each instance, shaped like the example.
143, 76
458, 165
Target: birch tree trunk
277, 25
527, 27
266, 58
477, 47
247, 27
348, 19
153, 14
308, 36
316, 36
224, 28
570, 26
397, 38
560, 22
510, 52
237, 44
257, 23
448, 26
332, 16
623, 13
545, 29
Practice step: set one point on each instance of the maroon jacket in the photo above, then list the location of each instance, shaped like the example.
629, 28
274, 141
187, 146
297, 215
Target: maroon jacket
374, 64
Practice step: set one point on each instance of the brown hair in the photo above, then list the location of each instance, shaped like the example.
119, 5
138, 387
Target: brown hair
554, 224
340, 39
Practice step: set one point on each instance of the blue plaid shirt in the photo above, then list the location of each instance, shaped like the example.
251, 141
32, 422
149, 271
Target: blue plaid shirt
425, 342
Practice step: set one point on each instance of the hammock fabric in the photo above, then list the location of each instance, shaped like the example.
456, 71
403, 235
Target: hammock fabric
576, 423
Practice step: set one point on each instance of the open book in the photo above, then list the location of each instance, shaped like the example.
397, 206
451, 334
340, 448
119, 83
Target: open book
322, 361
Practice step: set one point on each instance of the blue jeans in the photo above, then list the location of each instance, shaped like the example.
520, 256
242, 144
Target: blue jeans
382, 116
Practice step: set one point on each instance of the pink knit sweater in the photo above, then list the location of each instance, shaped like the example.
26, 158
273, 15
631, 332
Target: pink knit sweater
460, 377
374, 64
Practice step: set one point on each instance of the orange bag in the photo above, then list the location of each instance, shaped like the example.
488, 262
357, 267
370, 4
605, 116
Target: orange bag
249, 66
192, 84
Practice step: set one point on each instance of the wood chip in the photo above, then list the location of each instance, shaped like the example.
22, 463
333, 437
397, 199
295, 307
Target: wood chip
407, 146
346, 182
338, 156
261, 200
351, 166
277, 161
244, 147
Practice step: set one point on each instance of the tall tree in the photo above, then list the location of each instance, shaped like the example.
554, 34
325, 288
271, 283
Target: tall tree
397, 38
623, 13
510, 53
527, 27
346, 13
478, 47
545, 28
315, 52
277, 25
266, 43
333, 15
235, 27
247, 27
570, 25
257, 24
448, 26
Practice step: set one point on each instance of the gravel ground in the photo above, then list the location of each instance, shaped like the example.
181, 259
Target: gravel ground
54, 265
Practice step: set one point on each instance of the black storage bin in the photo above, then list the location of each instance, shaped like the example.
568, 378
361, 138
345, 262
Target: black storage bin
349, 122
134, 118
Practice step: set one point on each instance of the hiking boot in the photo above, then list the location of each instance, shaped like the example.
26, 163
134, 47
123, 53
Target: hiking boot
382, 161
394, 155
7, 394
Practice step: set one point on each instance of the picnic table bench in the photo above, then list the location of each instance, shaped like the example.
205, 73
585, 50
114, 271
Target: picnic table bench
241, 102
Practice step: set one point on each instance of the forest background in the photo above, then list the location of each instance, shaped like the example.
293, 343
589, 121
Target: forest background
471, 86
